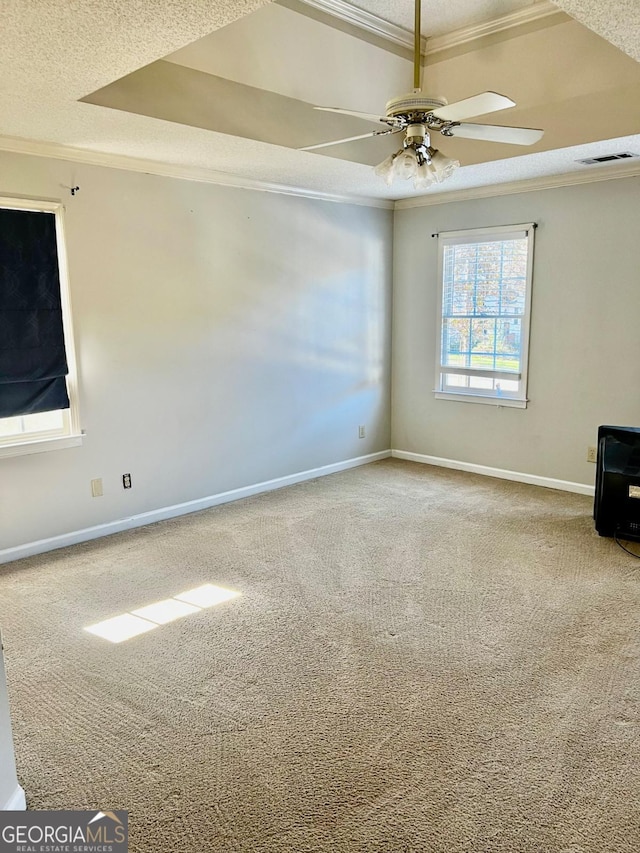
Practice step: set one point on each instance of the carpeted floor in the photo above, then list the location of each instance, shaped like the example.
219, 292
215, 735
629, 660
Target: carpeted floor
419, 660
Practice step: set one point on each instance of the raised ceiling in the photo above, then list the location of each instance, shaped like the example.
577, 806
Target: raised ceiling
442, 16
229, 86
618, 22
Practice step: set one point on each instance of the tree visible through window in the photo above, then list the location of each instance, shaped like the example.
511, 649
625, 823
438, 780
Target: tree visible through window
485, 280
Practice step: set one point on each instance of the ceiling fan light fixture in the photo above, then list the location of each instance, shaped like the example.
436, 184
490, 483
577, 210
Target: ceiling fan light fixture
402, 164
425, 176
442, 165
385, 170
406, 164
424, 166
420, 115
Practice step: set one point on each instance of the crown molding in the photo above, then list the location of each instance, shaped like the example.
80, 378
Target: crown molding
366, 21
57, 151
599, 173
536, 12
400, 36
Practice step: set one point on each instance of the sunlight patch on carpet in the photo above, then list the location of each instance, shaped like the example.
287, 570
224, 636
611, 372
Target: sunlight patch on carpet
166, 611
121, 628
139, 621
207, 595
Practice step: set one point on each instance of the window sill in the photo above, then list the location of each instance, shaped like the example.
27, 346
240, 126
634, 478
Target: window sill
21, 448
479, 398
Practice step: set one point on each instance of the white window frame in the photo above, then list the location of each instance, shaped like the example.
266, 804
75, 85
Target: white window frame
515, 400
70, 434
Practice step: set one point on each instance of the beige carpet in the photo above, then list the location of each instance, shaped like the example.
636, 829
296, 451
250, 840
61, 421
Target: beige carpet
420, 660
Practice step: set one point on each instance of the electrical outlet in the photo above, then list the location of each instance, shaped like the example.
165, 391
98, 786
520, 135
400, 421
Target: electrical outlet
361, 432
126, 481
96, 488
592, 454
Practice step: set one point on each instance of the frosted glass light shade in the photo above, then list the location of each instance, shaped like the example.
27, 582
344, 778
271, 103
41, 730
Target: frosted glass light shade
443, 166
385, 169
404, 164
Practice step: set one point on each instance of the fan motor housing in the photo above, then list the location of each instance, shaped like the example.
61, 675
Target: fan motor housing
413, 103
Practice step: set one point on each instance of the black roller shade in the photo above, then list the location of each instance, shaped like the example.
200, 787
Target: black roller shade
33, 362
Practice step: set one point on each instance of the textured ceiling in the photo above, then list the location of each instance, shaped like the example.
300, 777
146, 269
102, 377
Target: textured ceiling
53, 53
209, 84
618, 21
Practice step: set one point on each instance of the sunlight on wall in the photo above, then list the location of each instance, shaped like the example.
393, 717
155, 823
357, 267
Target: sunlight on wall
120, 628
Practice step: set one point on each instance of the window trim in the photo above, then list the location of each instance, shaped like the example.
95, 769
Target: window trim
521, 400
18, 445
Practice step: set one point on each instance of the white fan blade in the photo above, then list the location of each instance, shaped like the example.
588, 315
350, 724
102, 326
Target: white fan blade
496, 133
365, 116
348, 139
477, 105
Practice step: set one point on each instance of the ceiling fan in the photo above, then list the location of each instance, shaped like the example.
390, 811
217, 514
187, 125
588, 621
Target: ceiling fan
418, 115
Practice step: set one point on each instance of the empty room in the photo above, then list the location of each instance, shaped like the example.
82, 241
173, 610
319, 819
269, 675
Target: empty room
320, 426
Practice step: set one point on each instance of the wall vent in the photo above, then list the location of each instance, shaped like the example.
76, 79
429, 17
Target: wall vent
608, 158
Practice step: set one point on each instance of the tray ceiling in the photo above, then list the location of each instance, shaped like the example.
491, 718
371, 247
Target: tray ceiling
230, 87
618, 21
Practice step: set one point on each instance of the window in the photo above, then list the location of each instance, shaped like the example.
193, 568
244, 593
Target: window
38, 399
485, 297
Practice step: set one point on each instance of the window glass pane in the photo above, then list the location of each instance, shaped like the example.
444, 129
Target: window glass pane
43, 421
489, 262
480, 385
25, 425
496, 386
10, 426
483, 342
513, 296
507, 385
484, 297
456, 381
456, 342
487, 299
508, 344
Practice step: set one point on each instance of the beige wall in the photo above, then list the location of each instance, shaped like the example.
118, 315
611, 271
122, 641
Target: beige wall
584, 367
225, 337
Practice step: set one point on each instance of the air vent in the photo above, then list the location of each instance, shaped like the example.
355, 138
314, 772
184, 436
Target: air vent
608, 158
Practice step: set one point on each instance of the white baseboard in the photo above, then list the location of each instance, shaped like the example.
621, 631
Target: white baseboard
501, 473
17, 801
41, 545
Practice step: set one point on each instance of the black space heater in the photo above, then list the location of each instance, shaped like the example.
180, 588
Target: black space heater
616, 509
